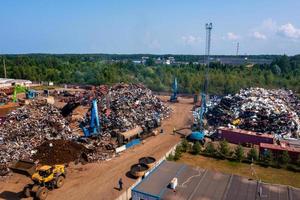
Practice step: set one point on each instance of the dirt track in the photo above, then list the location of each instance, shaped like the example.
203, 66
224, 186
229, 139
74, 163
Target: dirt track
99, 180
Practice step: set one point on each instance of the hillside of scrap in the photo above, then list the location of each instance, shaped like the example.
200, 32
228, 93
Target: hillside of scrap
272, 111
41, 133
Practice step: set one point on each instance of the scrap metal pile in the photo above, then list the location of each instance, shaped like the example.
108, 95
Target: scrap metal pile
40, 132
121, 107
257, 109
28, 127
129, 106
4, 98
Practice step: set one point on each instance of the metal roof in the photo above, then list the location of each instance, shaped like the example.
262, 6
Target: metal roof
200, 184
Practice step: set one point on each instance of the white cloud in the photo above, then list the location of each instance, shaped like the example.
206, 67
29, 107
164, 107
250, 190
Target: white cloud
289, 30
190, 39
259, 35
232, 36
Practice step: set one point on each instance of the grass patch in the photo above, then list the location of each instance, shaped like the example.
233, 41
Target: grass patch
266, 174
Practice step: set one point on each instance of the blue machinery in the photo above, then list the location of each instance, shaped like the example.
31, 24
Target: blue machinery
31, 94
198, 134
173, 97
93, 128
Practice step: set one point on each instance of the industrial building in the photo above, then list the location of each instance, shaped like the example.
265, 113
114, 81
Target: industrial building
5, 82
277, 150
194, 183
239, 136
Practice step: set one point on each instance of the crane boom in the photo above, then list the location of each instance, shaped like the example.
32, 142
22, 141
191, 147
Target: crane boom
94, 127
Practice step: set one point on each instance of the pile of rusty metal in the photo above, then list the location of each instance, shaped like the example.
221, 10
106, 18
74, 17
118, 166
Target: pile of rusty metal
4, 98
257, 109
28, 127
29, 130
126, 106
121, 107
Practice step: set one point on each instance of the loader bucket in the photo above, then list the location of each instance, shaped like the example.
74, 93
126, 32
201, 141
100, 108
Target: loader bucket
23, 167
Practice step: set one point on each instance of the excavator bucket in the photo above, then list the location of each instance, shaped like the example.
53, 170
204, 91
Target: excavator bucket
23, 167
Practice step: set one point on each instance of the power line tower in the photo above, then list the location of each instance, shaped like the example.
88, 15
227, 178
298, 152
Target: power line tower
208, 27
4, 67
237, 48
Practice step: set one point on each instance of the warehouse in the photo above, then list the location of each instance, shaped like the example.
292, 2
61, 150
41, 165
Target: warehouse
194, 183
5, 82
277, 150
238, 136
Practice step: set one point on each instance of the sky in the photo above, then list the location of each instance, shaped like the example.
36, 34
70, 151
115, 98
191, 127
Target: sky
149, 26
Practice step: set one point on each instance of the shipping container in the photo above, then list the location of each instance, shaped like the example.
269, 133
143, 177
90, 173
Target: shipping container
238, 136
277, 150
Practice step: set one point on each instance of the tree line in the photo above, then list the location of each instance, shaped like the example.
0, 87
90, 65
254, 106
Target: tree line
222, 150
283, 72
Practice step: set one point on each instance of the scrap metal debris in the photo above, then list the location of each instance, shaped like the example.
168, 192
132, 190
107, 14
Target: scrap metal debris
39, 131
273, 111
128, 106
27, 127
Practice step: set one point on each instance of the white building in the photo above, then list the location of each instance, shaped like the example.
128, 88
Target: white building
6, 82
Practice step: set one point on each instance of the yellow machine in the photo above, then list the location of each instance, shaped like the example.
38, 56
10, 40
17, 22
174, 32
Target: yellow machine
45, 178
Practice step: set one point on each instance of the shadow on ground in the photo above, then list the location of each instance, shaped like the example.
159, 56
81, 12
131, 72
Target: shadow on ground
129, 175
8, 195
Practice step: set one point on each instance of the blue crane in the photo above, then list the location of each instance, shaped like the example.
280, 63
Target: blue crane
173, 97
198, 134
91, 127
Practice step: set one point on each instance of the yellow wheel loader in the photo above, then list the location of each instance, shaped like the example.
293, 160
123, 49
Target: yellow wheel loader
44, 178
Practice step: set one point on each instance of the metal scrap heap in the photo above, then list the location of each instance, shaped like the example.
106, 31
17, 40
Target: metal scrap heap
273, 111
130, 105
39, 131
28, 127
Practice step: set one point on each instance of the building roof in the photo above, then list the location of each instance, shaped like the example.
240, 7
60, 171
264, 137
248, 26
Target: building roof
8, 80
196, 183
282, 147
235, 130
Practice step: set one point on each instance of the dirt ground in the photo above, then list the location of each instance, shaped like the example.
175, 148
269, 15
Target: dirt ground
100, 180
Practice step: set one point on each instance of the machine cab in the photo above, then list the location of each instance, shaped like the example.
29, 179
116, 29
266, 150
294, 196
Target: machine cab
43, 173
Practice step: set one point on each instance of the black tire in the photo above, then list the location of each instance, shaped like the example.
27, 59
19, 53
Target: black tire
42, 193
27, 191
60, 181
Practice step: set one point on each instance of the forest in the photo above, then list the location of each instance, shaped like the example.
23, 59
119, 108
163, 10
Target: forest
95, 69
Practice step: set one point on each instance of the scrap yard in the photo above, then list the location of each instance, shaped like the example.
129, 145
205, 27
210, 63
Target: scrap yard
49, 134
133, 100
100, 134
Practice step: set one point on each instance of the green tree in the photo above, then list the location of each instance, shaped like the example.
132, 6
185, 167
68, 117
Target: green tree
196, 148
268, 157
239, 153
170, 157
185, 145
178, 152
298, 161
224, 149
210, 149
252, 155
284, 158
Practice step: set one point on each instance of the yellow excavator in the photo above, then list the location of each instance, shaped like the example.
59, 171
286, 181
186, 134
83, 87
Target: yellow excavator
44, 178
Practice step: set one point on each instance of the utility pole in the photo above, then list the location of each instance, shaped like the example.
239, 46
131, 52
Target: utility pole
4, 67
237, 48
208, 28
